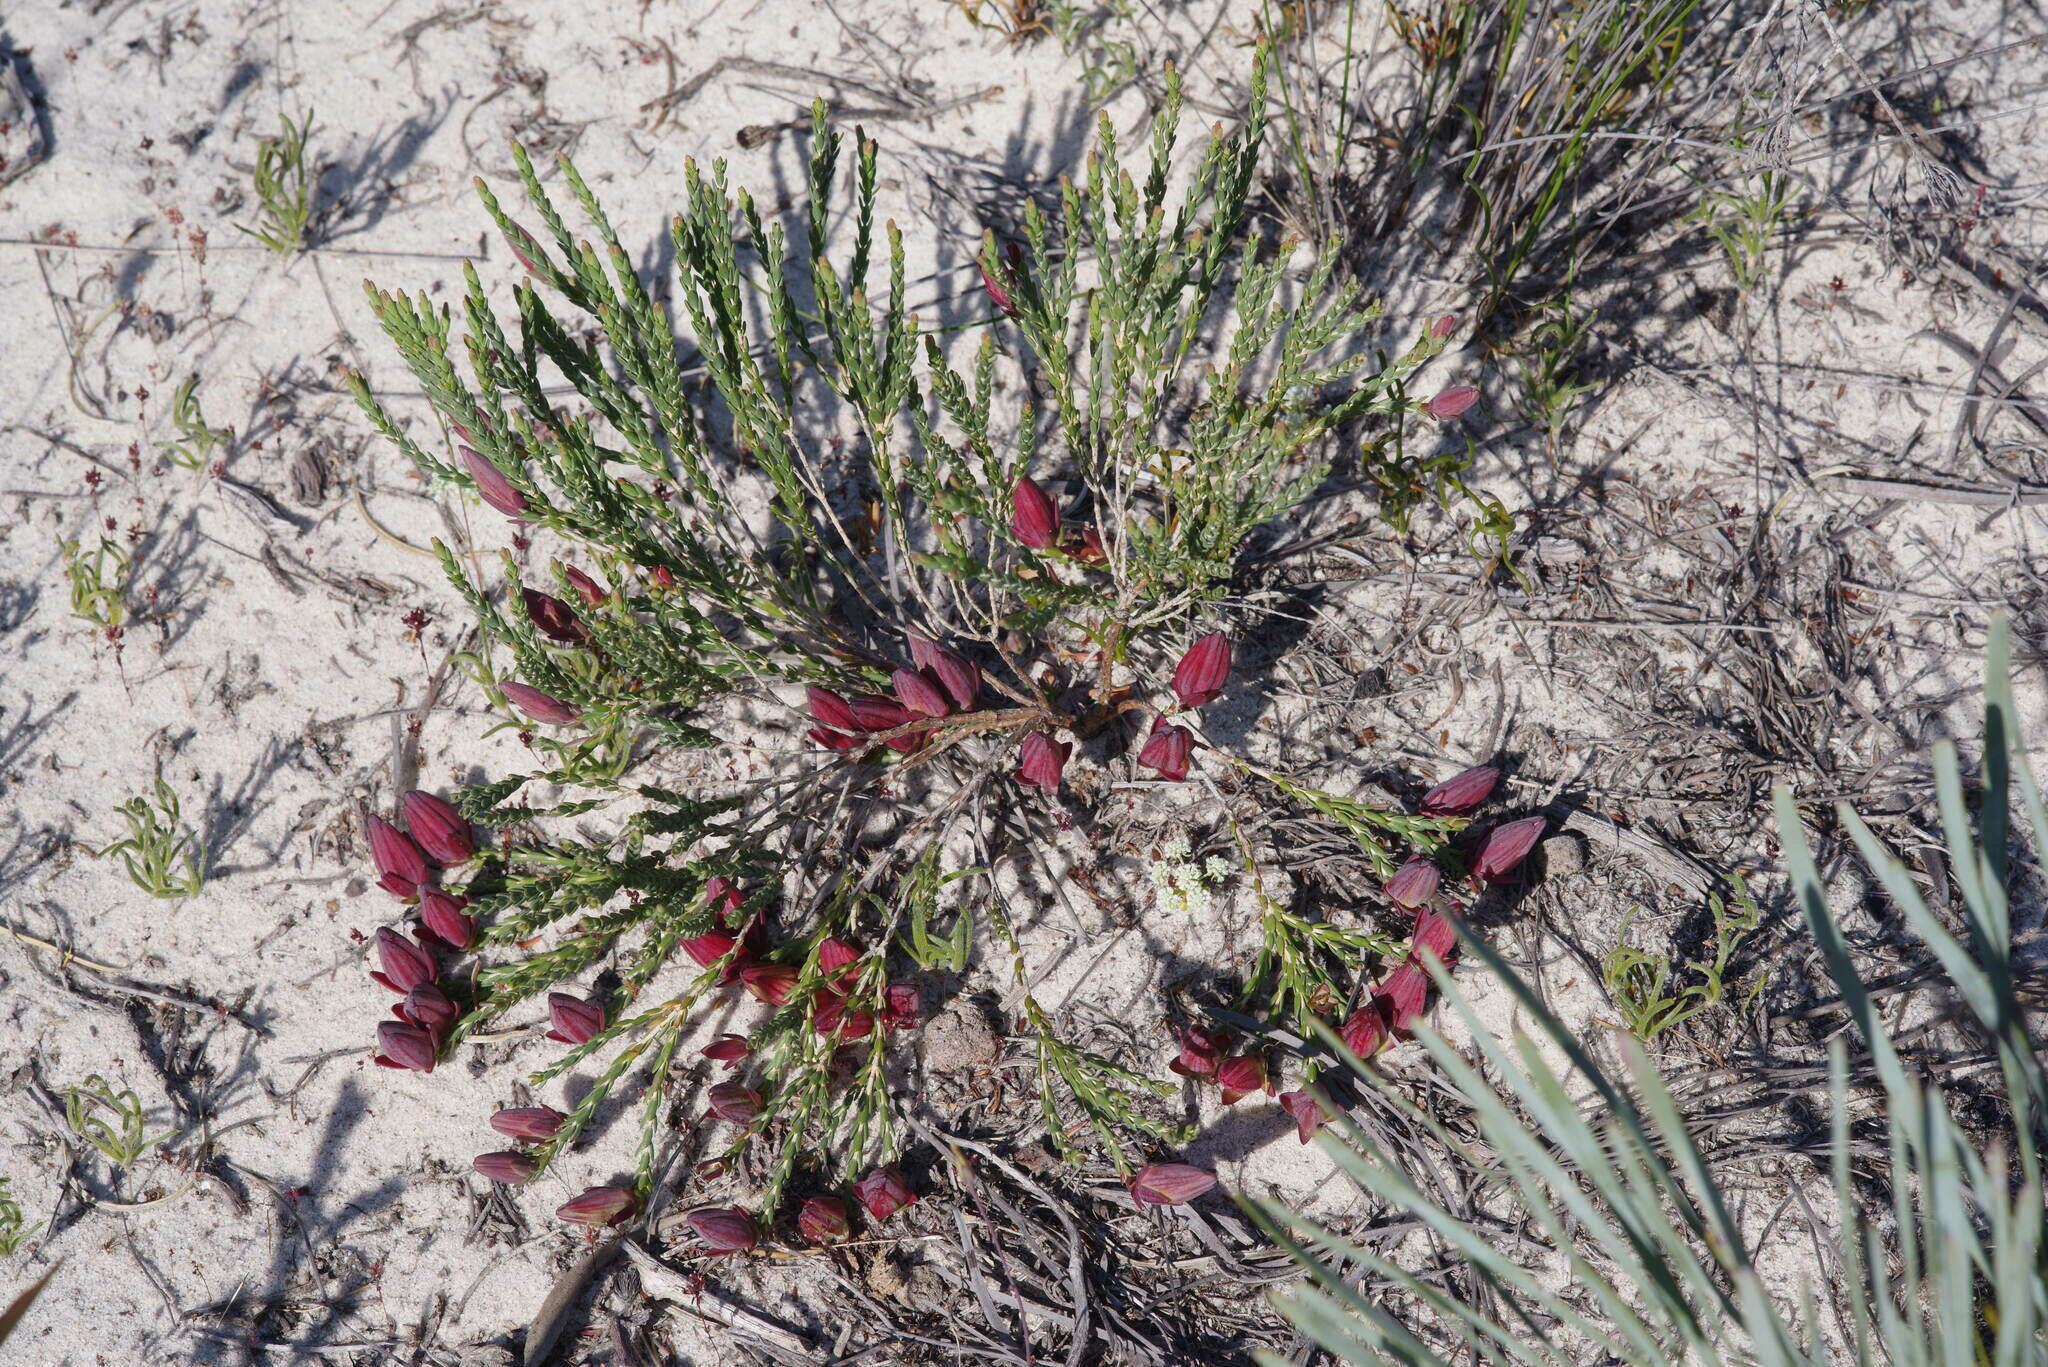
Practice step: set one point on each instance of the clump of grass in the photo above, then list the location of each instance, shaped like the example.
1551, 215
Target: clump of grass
162, 859
197, 440
99, 583
13, 1231
1639, 982
110, 1120
284, 188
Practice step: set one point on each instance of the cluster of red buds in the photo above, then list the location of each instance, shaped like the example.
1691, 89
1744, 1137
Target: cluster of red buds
939, 683
406, 864
820, 1220
1205, 1056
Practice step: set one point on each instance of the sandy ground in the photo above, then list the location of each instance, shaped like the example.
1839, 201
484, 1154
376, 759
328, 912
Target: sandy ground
285, 626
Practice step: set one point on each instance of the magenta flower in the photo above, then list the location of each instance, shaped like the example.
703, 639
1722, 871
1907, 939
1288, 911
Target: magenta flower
831, 709
428, 1007
1199, 677
542, 707
1451, 402
442, 915
1307, 1112
734, 1102
1168, 750
1402, 997
730, 1050
1040, 759
1365, 1034
405, 965
1414, 883
401, 868
822, 1220
404, 1046
491, 484
529, 1124
588, 589
832, 1020
771, 983
508, 1166
722, 896
957, 675
921, 693
599, 1207
725, 1229
575, 1020
1444, 326
1503, 848
1200, 1051
1240, 1076
1033, 519
707, 949
902, 1006
874, 712
836, 955
1460, 795
884, 1192
1433, 935
1169, 1184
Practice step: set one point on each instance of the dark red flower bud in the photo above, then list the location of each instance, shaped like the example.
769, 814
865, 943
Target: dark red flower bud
1460, 795
1087, 547
553, 618
542, 707
600, 1207
822, 1220
720, 894
1414, 883
491, 484
902, 1006
533, 1124
586, 588
1168, 750
999, 296
1444, 326
957, 675
1451, 402
727, 1049
835, 954
1433, 935
428, 1007
508, 1166
833, 740
731, 1101
442, 915
920, 693
1503, 848
771, 983
1199, 677
1169, 1184
831, 709
707, 949
404, 1046
1200, 1051
1365, 1034
873, 712
400, 864
884, 1192
575, 1020
1307, 1112
834, 1021
660, 578
1040, 759
1242, 1075
439, 829
1401, 998
405, 964
725, 1229
1033, 519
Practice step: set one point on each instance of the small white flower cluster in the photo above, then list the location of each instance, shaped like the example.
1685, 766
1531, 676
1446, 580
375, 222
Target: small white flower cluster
1179, 884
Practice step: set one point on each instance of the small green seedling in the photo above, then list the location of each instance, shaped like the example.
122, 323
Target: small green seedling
1549, 360
13, 1233
99, 582
196, 440
1637, 980
284, 189
162, 860
121, 1140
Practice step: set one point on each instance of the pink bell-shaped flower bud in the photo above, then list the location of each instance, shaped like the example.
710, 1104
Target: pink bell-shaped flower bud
833, 1020
1307, 1112
1365, 1034
874, 712
1167, 751
405, 965
723, 897
831, 709
1444, 326
1200, 1051
529, 1124
1433, 935
884, 1192
542, 707
401, 867
921, 693
822, 1220
1460, 795
508, 1166
1242, 1075
1033, 519
575, 1020
1402, 997
1414, 883
826, 739
428, 1007
1199, 677
771, 983
1451, 402
836, 955
1169, 1184
902, 1006
1503, 848
442, 915
599, 1207
491, 484
553, 618
404, 1046
1087, 547
725, 1229
1040, 759
959, 676
731, 1050
997, 295
710, 947
734, 1102
588, 589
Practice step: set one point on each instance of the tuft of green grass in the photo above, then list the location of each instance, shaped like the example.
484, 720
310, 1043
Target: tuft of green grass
197, 440
99, 582
111, 1121
284, 188
13, 1232
1639, 983
162, 859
